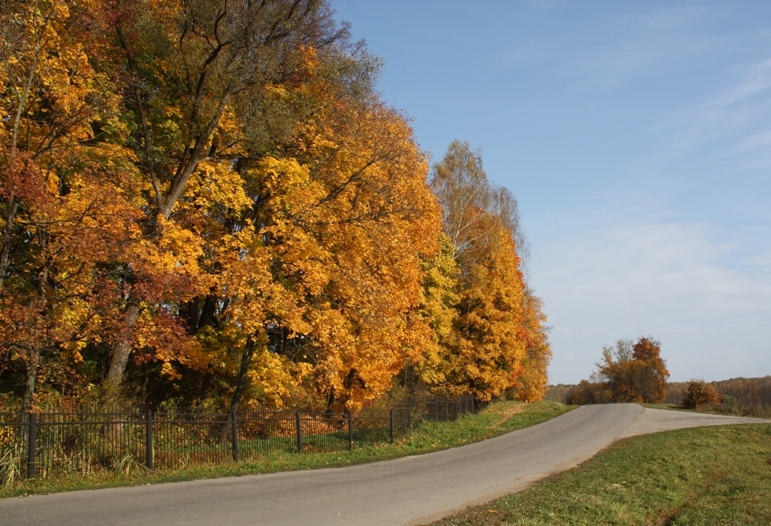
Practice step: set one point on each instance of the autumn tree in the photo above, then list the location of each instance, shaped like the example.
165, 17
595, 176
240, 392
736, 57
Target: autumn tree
492, 349
340, 235
587, 393
468, 198
533, 384
634, 372
438, 310
652, 377
193, 77
66, 199
498, 329
160, 97
699, 393
315, 274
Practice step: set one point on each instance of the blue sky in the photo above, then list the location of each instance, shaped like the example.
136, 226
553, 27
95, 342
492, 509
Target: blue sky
636, 137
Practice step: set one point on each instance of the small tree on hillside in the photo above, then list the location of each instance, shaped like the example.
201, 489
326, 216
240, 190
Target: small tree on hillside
650, 378
634, 372
698, 393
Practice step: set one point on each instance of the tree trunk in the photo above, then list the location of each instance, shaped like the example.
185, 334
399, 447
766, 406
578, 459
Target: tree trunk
5, 254
33, 364
121, 349
246, 362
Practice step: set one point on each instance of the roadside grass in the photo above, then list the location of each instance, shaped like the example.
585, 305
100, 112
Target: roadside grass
758, 410
704, 476
496, 419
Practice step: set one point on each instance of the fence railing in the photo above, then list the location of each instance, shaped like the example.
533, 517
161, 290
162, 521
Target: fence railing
52, 442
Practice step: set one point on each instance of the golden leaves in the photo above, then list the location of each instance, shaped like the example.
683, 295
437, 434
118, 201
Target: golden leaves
274, 206
215, 184
489, 327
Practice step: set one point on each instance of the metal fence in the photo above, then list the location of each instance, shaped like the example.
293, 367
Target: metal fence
55, 442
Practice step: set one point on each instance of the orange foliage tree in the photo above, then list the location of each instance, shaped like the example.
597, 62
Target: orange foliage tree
68, 200
329, 270
634, 372
499, 341
208, 200
699, 393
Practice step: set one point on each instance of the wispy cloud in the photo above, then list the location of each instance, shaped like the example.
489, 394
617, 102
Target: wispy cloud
675, 242
728, 131
612, 52
671, 280
755, 81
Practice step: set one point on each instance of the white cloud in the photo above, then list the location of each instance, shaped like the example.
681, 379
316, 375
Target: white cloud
674, 281
755, 81
725, 134
612, 51
676, 243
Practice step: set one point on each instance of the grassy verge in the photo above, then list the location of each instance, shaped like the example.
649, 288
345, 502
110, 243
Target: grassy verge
756, 411
498, 418
714, 475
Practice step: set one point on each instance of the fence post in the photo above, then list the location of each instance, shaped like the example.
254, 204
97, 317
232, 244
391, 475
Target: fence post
350, 430
391, 424
436, 409
149, 440
473, 409
409, 413
31, 443
234, 434
298, 426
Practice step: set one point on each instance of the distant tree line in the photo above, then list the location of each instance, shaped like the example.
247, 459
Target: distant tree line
619, 379
743, 396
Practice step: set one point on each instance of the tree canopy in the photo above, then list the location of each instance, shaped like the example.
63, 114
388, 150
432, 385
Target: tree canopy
628, 372
209, 201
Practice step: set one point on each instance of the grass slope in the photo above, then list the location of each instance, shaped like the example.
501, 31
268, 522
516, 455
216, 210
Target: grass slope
498, 418
704, 476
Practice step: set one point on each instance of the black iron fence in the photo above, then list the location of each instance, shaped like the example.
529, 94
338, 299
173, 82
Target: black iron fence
44, 444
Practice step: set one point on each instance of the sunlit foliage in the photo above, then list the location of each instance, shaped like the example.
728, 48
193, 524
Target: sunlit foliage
209, 201
628, 372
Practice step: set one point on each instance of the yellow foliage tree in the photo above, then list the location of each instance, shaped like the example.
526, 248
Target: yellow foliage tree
67, 199
333, 271
533, 384
500, 342
492, 349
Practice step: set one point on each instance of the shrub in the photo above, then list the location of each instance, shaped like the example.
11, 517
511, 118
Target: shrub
588, 393
699, 393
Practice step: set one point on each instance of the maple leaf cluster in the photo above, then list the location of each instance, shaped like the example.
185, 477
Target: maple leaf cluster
209, 201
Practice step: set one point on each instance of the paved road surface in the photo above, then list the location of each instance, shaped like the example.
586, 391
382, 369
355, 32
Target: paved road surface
412, 490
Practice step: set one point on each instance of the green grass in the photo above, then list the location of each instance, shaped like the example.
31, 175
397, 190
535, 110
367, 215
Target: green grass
703, 476
498, 418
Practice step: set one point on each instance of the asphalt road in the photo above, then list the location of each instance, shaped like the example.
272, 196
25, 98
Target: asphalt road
412, 490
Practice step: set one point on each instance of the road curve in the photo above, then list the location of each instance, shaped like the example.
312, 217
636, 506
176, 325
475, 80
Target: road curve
411, 490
